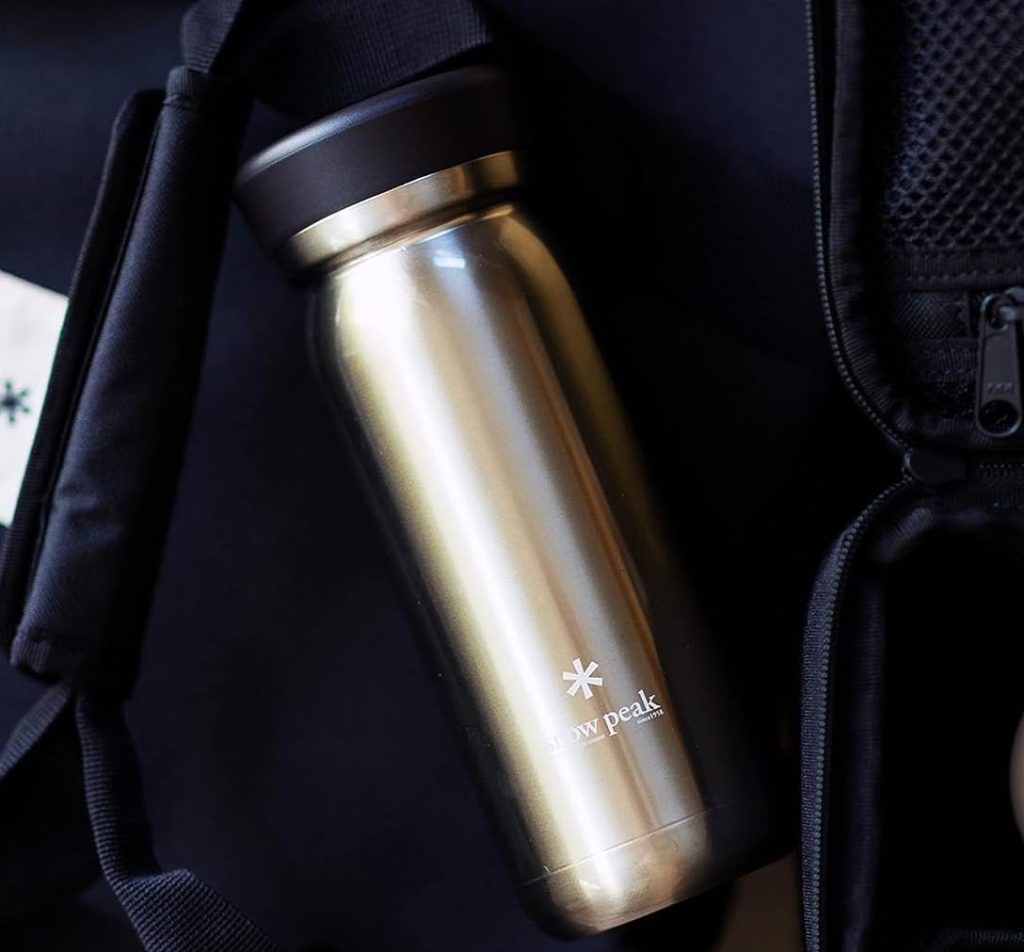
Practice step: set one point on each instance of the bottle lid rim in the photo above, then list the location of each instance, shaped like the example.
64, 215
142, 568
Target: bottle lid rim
374, 146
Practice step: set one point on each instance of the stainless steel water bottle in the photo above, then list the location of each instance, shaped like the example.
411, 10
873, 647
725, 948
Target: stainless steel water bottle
605, 741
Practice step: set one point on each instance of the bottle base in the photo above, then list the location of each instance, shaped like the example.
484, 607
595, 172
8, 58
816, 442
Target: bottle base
643, 875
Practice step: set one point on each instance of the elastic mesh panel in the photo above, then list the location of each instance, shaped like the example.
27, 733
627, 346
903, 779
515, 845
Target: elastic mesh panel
949, 145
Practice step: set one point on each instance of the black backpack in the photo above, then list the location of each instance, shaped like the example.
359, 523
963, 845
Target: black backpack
186, 484
910, 699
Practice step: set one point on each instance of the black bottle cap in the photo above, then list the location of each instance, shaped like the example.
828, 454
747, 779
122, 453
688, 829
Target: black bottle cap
374, 146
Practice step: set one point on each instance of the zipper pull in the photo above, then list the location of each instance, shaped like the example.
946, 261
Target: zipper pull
998, 411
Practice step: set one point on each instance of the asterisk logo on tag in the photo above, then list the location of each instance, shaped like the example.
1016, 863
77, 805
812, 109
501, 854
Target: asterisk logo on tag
582, 678
12, 402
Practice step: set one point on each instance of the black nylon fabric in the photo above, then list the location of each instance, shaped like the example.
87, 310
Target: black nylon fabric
92, 571
825, 714
908, 711
311, 57
104, 525
92, 529
917, 139
96, 561
45, 841
120, 182
171, 911
33, 727
206, 29
906, 726
50, 855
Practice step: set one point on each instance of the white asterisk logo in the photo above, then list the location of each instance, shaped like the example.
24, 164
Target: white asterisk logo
13, 402
582, 678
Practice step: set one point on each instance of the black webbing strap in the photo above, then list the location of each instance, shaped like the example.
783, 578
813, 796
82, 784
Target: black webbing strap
171, 911
205, 30
307, 57
312, 57
33, 727
46, 850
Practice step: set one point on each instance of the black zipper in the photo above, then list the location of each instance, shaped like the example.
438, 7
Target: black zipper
1000, 470
817, 679
816, 715
921, 467
998, 409
821, 249
817, 663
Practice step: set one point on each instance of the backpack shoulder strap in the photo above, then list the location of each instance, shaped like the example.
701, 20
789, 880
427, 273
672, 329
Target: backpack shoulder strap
130, 355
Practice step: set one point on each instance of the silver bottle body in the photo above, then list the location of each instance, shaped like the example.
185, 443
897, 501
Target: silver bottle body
605, 739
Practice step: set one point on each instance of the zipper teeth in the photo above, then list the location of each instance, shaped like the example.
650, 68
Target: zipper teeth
1001, 466
821, 255
814, 785
813, 870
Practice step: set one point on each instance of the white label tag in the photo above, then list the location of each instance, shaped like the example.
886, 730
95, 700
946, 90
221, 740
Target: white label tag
30, 321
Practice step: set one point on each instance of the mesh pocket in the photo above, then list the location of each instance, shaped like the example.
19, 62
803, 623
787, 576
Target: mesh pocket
949, 144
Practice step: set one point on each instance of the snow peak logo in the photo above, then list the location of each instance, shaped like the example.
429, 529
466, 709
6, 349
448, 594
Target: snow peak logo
582, 678
645, 708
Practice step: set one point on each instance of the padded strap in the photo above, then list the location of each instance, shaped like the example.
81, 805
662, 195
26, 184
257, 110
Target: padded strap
99, 549
160, 216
